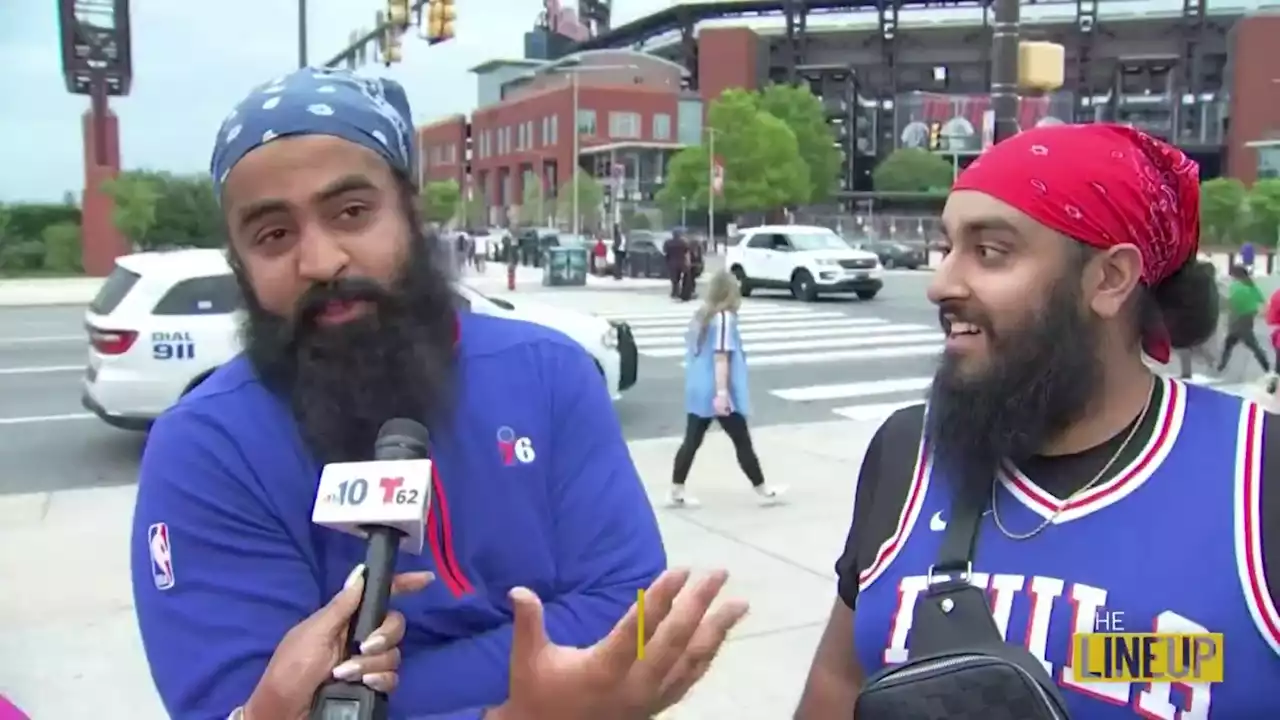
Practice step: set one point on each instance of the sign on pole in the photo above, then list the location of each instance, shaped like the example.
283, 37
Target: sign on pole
717, 177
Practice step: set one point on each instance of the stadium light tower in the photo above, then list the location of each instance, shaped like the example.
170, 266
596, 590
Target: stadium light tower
1004, 68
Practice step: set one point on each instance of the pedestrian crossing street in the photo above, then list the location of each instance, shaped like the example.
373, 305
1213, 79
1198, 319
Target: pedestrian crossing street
863, 368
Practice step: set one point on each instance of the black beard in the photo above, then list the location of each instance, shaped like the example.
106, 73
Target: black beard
1040, 380
343, 382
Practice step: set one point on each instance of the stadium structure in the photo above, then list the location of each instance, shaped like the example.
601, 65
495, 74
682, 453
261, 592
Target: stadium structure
890, 74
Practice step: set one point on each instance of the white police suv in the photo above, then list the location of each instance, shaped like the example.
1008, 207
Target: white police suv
807, 260
164, 321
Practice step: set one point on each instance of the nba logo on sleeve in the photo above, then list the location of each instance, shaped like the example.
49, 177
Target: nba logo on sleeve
514, 449
161, 555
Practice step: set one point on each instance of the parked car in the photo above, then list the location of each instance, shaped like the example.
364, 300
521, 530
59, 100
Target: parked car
807, 260
896, 254
162, 322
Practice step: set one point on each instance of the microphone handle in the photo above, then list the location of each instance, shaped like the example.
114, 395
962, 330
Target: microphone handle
380, 567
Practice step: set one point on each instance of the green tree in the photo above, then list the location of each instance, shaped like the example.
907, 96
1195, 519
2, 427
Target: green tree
1222, 210
474, 210
440, 201
1264, 212
912, 170
802, 111
135, 195
533, 206
62, 248
763, 169
590, 201
187, 212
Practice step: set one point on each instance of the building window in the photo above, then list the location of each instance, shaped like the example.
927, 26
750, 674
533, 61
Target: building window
587, 122
1269, 163
624, 125
661, 126
528, 133
555, 129
546, 134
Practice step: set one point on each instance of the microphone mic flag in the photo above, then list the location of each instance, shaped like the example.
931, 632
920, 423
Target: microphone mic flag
386, 501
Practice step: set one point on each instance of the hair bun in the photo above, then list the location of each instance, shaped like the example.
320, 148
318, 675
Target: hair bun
1188, 302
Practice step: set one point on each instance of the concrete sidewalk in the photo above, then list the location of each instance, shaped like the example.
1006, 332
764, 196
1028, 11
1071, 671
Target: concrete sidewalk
69, 645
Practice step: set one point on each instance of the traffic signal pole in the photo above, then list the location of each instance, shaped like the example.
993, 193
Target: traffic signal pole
1004, 68
372, 36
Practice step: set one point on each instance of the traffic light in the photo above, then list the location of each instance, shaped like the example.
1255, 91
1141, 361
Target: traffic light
935, 135
439, 16
388, 40
398, 14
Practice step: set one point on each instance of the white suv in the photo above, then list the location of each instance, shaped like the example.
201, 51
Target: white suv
164, 321
806, 260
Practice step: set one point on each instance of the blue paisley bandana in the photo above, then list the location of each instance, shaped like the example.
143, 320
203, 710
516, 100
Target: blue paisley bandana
372, 112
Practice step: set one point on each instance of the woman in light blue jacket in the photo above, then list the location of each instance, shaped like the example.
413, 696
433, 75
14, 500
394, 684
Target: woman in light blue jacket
715, 387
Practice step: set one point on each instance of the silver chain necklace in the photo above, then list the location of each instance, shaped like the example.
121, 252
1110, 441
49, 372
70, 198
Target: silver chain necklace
1102, 474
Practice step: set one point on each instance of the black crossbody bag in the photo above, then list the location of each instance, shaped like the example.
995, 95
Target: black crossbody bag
960, 667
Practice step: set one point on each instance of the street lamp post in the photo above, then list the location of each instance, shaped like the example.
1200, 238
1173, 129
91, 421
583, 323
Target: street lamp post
574, 71
711, 186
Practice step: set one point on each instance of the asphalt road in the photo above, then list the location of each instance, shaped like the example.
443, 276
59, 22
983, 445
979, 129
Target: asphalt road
833, 359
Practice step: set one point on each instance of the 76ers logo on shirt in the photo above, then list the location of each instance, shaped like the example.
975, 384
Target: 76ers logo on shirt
514, 449
161, 555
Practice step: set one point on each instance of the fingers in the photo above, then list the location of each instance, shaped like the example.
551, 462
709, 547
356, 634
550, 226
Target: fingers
338, 611
617, 652
703, 647
529, 634
410, 582
377, 671
388, 635
674, 635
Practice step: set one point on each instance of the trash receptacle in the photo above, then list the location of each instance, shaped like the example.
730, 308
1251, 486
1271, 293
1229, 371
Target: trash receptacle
564, 266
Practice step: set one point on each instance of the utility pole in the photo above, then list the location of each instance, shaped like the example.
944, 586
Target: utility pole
1004, 68
302, 33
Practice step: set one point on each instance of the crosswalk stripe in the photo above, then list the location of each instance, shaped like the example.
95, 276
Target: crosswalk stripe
810, 358
853, 389
685, 314
838, 321
877, 411
815, 344
645, 343
652, 326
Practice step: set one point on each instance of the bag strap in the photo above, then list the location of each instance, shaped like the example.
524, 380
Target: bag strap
961, 536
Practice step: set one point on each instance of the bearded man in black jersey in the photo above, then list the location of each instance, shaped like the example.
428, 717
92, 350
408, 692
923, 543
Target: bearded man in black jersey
1070, 255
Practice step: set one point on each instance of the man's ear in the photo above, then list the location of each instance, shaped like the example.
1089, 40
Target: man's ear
1111, 277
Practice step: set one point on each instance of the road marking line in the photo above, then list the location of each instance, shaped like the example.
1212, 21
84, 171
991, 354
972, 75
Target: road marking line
44, 418
687, 313
877, 411
815, 334
754, 322
41, 340
813, 344
41, 369
811, 358
853, 389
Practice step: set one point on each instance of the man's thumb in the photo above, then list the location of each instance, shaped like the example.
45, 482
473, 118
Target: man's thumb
529, 634
343, 605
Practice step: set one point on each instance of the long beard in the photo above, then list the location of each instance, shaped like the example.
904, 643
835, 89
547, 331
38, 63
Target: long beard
343, 382
1040, 380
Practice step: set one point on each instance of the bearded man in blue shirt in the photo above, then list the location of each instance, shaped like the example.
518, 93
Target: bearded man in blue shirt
350, 321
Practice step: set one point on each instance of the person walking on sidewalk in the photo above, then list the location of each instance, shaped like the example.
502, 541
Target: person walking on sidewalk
715, 386
1244, 302
676, 253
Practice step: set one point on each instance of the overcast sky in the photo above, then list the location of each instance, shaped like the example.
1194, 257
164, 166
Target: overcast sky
192, 64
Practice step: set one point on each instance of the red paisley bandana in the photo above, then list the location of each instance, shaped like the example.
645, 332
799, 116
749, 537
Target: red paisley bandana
1103, 185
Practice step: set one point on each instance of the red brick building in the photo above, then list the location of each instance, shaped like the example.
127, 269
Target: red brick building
629, 116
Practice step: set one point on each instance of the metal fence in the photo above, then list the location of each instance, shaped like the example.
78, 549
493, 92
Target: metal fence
877, 226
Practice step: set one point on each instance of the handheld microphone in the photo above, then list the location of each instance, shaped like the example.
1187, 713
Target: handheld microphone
385, 500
